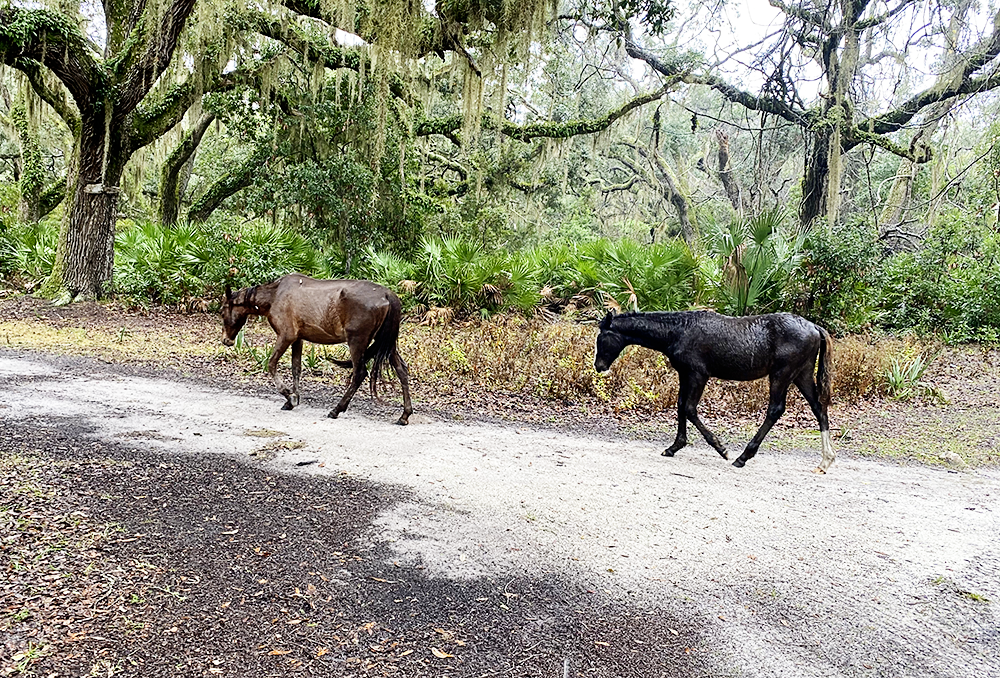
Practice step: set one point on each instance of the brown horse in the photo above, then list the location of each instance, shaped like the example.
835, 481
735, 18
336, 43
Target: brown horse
364, 315
703, 344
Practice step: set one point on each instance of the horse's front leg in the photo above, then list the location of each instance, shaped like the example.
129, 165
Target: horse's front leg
296, 370
696, 387
358, 376
280, 346
682, 394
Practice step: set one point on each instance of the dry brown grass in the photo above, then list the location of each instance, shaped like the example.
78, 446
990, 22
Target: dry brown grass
555, 360
491, 358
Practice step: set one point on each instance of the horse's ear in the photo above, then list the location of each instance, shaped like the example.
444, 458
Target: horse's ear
229, 292
606, 323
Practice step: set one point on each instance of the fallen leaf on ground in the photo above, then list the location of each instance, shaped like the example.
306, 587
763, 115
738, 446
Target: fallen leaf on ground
440, 654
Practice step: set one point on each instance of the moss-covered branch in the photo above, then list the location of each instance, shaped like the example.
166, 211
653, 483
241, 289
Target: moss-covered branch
896, 119
55, 98
537, 130
856, 136
51, 38
158, 115
53, 194
315, 50
233, 182
170, 194
159, 52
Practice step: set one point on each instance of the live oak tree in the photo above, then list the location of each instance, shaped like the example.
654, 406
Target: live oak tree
847, 44
148, 63
114, 100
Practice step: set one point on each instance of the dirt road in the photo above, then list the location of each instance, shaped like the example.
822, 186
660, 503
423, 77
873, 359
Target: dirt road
872, 570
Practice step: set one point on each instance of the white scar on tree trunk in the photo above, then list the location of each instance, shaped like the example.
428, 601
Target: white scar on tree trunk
828, 454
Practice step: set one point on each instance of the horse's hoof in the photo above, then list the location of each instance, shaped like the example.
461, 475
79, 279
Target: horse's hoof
287, 406
333, 414
723, 454
739, 463
668, 453
402, 422
819, 471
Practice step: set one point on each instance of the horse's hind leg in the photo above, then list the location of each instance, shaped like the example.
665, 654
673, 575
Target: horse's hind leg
280, 346
807, 385
296, 370
403, 372
357, 377
775, 408
692, 386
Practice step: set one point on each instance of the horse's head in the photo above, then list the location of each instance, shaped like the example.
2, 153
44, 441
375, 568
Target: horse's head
234, 315
610, 343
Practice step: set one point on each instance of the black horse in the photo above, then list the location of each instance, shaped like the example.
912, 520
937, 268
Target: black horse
704, 344
364, 315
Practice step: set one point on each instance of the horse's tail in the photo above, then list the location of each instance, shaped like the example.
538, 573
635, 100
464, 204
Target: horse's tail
824, 369
385, 340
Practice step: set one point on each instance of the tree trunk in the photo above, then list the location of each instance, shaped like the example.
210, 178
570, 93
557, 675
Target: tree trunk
85, 252
824, 138
670, 191
32, 179
171, 191
814, 180
726, 175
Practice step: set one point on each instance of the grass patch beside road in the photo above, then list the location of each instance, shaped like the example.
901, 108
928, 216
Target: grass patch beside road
537, 372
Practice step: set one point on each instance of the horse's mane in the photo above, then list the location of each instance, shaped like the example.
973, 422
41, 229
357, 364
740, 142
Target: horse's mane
654, 323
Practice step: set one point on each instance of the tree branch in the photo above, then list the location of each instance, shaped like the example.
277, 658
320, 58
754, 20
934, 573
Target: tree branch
170, 174
159, 52
153, 119
56, 99
230, 184
46, 37
333, 57
680, 72
871, 22
549, 130
802, 14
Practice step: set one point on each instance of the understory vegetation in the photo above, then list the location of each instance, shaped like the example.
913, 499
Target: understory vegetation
843, 279
520, 162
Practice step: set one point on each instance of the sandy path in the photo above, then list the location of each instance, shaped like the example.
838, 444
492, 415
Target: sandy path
873, 569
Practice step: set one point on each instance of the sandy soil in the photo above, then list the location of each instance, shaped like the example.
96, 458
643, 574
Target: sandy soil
874, 569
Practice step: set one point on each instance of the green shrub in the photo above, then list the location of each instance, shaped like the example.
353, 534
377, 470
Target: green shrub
750, 262
160, 265
457, 273
176, 264
950, 286
836, 283
254, 252
28, 250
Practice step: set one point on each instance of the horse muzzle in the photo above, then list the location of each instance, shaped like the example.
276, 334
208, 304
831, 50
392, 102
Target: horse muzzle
226, 341
601, 366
